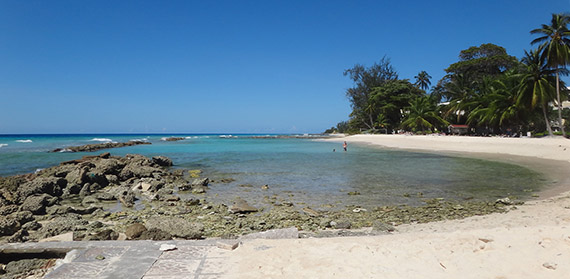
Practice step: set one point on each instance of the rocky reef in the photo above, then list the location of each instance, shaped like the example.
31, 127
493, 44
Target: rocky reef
99, 146
107, 197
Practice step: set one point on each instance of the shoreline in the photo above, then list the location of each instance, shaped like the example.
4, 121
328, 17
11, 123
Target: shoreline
552, 164
531, 241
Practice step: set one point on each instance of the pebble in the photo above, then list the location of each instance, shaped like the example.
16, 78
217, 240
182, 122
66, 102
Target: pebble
549, 265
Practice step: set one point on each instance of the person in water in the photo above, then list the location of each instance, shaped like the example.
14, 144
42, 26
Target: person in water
344, 145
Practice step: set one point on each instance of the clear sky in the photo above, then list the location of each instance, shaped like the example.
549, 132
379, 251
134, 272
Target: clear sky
227, 66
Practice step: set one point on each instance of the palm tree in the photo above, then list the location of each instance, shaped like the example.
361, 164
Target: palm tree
423, 80
460, 95
556, 39
536, 86
498, 104
423, 114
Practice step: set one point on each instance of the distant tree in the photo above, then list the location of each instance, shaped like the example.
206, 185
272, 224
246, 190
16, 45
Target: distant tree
537, 84
365, 80
422, 115
486, 60
423, 80
556, 39
391, 98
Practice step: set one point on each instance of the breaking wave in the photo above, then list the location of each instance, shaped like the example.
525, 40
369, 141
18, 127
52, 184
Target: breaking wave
102, 140
3, 144
25, 141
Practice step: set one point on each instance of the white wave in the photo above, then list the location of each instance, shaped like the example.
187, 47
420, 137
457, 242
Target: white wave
145, 139
25, 141
65, 150
38, 170
102, 140
3, 144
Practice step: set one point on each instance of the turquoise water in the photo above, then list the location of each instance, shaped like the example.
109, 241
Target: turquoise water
303, 171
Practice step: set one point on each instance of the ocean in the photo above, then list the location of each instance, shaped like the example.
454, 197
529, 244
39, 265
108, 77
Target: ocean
304, 171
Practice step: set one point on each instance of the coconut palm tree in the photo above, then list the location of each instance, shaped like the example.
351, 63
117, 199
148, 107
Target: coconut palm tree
498, 105
423, 80
423, 115
537, 83
460, 95
556, 39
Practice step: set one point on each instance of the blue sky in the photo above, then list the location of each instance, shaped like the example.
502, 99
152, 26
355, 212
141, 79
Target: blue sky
227, 66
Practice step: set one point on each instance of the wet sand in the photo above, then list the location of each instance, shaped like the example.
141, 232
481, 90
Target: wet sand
531, 241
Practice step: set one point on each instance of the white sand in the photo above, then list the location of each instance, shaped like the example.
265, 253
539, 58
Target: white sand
532, 241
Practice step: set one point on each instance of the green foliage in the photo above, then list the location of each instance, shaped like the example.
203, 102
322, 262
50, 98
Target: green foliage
497, 106
365, 81
486, 60
423, 80
390, 99
555, 41
487, 89
422, 115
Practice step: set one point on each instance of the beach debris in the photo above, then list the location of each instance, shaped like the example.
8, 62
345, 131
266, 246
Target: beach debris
227, 244
358, 210
485, 240
550, 265
100, 257
167, 247
265, 187
354, 193
241, 206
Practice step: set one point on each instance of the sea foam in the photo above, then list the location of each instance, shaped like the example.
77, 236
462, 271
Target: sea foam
102, 140
25, 141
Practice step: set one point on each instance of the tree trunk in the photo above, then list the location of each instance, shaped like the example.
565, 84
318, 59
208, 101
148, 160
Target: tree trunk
546, 120
559, 104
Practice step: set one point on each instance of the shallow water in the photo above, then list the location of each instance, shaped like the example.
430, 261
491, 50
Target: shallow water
302, 171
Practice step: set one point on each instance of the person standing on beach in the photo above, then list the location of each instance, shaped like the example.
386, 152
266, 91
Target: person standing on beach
344, 145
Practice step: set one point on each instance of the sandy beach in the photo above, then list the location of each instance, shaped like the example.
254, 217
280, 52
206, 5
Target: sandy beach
531, 241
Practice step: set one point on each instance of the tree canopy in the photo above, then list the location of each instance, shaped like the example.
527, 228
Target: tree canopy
487, 89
